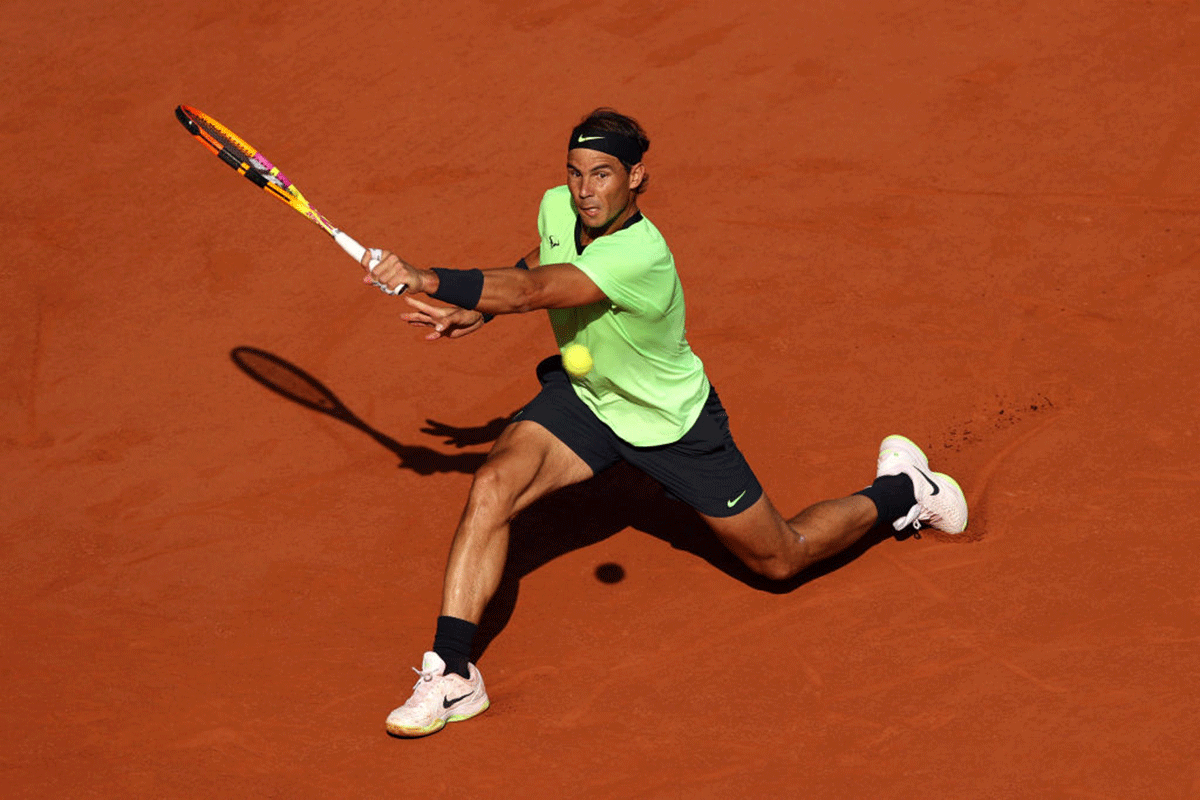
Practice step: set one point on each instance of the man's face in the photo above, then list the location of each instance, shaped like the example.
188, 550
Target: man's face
601, 187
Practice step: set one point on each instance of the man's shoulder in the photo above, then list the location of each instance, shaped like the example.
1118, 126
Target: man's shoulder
641, 237
556, 211
557, 196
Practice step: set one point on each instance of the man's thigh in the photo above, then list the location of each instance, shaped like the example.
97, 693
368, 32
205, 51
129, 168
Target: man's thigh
756, 535
528, 462
705, 468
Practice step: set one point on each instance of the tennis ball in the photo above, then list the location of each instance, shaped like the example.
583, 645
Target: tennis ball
577, 360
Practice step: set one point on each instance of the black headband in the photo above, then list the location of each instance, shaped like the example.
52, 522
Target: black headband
627, 149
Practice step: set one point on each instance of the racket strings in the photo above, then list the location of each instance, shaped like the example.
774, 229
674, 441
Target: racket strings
220, 137
231, 147
249, 162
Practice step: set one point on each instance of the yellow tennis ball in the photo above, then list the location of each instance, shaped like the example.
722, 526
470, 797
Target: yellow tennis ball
577, 360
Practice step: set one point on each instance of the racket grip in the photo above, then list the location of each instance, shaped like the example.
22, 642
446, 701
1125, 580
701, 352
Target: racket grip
357, 251
353, 248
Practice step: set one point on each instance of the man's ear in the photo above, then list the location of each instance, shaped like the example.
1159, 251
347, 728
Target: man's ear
636, 173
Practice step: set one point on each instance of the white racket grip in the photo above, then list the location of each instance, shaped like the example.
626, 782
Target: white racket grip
347, 243
357, 251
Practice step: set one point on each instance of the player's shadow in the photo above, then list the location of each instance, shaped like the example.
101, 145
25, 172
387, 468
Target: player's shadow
622, 497
292, 382
568, 520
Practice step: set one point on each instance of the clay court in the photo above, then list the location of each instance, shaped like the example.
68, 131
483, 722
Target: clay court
974, 224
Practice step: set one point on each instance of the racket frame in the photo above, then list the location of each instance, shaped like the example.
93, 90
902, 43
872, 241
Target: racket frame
249, 162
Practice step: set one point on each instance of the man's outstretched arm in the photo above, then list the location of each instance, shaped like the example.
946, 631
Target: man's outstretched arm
510, 290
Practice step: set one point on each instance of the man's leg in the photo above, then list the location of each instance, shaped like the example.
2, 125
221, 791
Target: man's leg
526, 463
905, 492
779, 548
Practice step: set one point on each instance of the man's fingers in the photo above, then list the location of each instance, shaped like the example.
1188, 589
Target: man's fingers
457, 332
390, 272
370, 255
430, 311
418, 321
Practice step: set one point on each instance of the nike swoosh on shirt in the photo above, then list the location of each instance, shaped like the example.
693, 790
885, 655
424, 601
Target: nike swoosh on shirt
734, 501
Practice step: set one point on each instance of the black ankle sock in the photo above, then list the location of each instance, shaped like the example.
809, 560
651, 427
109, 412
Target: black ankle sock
452, 643
892, 495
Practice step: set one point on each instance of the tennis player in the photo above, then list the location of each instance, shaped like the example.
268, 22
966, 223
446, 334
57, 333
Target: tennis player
607, 278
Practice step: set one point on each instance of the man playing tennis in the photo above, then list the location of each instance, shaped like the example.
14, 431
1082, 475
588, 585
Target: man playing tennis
608, 281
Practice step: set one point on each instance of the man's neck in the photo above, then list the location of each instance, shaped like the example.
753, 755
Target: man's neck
588, 235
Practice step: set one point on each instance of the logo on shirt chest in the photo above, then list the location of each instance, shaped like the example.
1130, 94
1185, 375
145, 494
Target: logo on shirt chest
553, 242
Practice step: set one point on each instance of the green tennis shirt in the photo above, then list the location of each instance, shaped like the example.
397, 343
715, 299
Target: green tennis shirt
646, 384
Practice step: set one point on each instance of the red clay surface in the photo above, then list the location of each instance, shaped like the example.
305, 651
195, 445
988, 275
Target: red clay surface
975, 224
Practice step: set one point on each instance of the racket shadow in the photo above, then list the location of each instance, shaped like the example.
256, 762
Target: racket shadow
291, 382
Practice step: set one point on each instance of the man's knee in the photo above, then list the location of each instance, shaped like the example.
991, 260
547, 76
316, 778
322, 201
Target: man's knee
763, 541
768, 555
775, 567
492, 493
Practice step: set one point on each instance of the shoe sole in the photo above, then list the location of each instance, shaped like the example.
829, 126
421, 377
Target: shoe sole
416, 733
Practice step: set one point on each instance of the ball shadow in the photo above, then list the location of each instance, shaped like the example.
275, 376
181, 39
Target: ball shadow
622, 497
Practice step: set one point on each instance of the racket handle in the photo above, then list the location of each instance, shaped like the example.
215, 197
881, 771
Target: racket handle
347, 243
357, 251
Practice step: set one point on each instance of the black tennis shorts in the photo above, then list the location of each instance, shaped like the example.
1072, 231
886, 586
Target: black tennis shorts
704, 468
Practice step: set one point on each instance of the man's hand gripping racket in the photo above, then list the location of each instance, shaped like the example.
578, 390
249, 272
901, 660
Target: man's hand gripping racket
246, 160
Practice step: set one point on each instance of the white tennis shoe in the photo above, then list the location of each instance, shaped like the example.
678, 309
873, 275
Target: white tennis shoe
438, 699
941, 504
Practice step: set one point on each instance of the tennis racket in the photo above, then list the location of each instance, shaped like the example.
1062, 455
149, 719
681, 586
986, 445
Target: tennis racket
248, 161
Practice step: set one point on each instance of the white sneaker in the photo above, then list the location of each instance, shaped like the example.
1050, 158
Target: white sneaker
438, 699
940, 502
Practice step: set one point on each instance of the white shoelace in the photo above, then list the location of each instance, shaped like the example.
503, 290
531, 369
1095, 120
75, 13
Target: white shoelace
423, 677
909, 520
